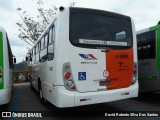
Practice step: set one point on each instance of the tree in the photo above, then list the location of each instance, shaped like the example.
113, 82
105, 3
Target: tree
30, 29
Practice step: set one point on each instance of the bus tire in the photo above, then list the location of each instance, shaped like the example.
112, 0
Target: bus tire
31, 86
42, 99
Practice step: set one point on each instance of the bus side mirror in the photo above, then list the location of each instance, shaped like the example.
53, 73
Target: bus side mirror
26, 58
14, 60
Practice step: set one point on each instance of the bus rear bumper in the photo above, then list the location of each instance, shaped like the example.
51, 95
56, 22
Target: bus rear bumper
5, 95
106, 96
71, 99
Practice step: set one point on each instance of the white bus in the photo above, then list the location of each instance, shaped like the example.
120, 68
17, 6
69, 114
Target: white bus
85, 56
148, 41
6, 66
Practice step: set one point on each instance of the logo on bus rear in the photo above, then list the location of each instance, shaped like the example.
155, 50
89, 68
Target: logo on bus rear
88, 56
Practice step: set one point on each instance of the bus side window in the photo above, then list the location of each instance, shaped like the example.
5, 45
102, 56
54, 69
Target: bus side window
51, 43
140, 52
46, 40
31, 56
43, 53
34, 55
39, 45
37, 52
42, 43
146, 45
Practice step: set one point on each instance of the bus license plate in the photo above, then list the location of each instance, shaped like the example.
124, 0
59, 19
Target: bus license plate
104, 83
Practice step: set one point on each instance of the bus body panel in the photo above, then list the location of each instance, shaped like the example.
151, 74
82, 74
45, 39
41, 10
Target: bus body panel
158, 55
48, 82
45, 75
105, 96
49, 92
148, 75
1, 61
135, 58
6, 81
119, 75
73, 99
61, 45
120, 65
5, 95
87, 73
8, 74
36, 75
64, 98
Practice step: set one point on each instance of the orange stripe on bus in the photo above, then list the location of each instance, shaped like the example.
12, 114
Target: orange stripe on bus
119, 64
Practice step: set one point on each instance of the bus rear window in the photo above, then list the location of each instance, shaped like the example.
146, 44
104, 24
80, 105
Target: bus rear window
96, 30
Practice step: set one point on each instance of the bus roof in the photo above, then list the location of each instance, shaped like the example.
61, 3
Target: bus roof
143, 30
148, 29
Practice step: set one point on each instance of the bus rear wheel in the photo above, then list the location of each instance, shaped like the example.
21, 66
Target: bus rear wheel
42, 99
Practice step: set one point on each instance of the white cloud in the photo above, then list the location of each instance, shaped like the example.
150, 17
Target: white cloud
19, 52
145, 13
8, 5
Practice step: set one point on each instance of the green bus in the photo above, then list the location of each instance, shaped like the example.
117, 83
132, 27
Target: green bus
6, 67
148, 41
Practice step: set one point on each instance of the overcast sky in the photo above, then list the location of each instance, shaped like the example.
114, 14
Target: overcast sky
145, 13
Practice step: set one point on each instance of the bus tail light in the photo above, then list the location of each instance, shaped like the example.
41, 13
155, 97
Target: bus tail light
68, 77
135, 73
1, 72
